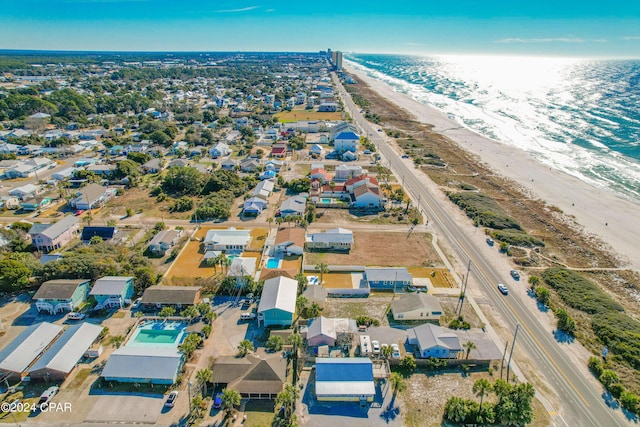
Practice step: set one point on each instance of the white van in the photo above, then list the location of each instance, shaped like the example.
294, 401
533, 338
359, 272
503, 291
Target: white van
247, 316
365, 345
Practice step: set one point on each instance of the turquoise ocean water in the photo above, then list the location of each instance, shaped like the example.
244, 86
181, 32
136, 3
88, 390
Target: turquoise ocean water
581, 116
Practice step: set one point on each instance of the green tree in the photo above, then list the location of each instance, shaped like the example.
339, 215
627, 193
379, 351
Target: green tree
230, 398
21, 226
126, 168
130, 212
565, 322
287, 399
408, 363
14, 275
167, 312
630, 401
609, 377
456, 410
204, 377
386, 352
469, 346
542, 294
159, 227
322, 268
116, 340
274, 343
534, 281
190, 312
245, 347
481, 387
183, 181
397, 383
95, 240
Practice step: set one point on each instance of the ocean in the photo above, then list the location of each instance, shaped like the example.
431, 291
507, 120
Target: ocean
581, 116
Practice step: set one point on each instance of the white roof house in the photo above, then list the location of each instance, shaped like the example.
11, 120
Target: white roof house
435, 341
229, 240
242, 266
332, 239
143, 364
60, 359
325, 331
278, 301
16, 357
25, 191
344, 379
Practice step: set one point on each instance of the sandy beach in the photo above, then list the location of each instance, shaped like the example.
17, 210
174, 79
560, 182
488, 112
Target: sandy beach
601, 213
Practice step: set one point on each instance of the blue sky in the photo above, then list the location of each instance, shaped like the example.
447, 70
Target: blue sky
584, 28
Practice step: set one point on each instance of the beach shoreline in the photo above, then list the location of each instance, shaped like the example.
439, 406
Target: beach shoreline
607, 216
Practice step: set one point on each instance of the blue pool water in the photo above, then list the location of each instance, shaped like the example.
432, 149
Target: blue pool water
273, 263
159, 333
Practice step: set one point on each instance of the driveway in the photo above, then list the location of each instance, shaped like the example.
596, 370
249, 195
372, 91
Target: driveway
126, 408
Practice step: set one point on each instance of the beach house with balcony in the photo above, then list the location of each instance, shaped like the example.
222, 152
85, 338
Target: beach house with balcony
56, 296
434, 341
335, 239
418, 306
229, 241
92, 196
49, 237
112, 291
163, 241
347, 141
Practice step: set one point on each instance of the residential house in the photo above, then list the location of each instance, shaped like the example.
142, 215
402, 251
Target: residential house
249, 165
347, 141
346, 172
335, 239
23, 350
153, 166
92, 196
326, 331
65, 353
278, 302
320, 174
293, 206
367, 196
112, 291
252, 376
145, 365
435, 341
25, 192
349, 156
230, 241
176, 163
55, 296
163, 241
263, 189
328, 107
340, 379
389, 278
221, 149
273, 165
289, 241
6, 148
178, 297
242, 267
254, 206
63, 174
228, 164
54, 236
279, 150
102, 170
416, 306
268, 174
106, 233
316, 150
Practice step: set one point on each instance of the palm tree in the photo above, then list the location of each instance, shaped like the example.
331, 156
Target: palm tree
481, 387
117, 340
245, 347
332, 186
296, 341
397, 383
230, 398
322, 268
222, 259
88, 218
387, 352
469, 346
204, 376
287, 399
167, 312
270, 221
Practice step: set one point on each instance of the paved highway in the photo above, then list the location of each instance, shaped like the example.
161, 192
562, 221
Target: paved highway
582, 402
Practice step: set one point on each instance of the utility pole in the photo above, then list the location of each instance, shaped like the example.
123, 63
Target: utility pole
504, 354
513, 344
464, 288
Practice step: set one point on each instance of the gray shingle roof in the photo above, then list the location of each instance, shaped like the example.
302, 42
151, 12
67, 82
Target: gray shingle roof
416, 301
58, 289
184, 295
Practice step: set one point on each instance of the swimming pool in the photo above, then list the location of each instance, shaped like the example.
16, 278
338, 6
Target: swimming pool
157, 332
273, 263
325, 201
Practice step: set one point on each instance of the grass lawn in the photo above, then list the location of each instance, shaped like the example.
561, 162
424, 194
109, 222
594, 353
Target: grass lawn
442, 278
335, 280
382, 249
118, 314
295, 115
189, 263
258, 237
260, 413
80, 378
18, 417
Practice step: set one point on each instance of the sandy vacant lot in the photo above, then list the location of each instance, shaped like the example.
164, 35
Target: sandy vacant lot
385, 249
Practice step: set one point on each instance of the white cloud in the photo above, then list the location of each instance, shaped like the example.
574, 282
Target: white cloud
631, 38
241, 9
414, 44
542, 40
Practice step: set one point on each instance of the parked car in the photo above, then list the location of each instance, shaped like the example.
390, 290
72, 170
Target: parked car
136, 304
405, 156
515, 274
76, 316
376, 347
217, 401
171, 399
490, 241
503, 289
47, 395
396, 351
245, 303
247, 316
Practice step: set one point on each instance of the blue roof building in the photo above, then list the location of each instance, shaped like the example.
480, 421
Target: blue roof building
345, 379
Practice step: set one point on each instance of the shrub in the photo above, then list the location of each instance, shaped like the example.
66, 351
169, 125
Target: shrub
616, 390
595, 366
565, 322
542, 294
579, 292
459, 323
516, 238
629, 401
484, 210
367, 321
608, 377
408, 363
182, 204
